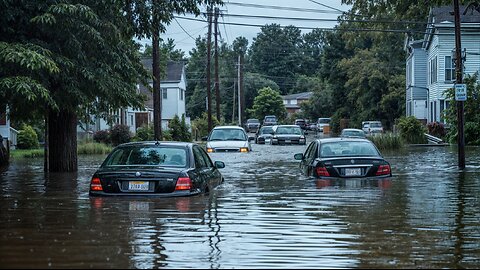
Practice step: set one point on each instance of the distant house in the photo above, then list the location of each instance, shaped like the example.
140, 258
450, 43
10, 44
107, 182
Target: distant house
292, 102
430, 66
173, 88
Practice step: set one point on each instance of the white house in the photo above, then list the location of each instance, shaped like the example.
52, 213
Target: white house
173, 88
292, 102
431, 66
8, 133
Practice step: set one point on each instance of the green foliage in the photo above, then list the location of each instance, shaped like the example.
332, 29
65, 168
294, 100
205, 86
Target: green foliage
102, 136
179, 129
471, 110
145, 133
268, 102
27, 138
387, 141
27, 153
92, 148
412, 130
200, 126
120, 134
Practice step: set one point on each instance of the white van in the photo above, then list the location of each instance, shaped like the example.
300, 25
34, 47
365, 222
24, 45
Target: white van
372, 127
321, 122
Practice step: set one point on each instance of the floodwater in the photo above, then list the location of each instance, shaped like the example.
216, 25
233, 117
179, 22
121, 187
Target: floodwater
265, 215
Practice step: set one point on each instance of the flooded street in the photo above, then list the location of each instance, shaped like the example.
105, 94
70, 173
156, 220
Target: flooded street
265, 215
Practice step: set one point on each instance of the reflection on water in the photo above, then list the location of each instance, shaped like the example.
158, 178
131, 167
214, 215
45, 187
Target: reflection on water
265, 215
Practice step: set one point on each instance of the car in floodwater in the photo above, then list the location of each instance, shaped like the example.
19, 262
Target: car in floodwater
343, 158
264, 135
287, 134
163, 169
352, 133
228, 139
252, 125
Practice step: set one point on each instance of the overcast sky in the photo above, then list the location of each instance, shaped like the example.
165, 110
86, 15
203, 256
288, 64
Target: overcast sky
228, 33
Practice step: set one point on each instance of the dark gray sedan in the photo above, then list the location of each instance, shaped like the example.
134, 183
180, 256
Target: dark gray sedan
164, 169
343, 158
287, 134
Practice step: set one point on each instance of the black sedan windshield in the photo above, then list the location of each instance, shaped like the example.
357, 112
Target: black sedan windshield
351, 149
266, 130
145, 155
289, 130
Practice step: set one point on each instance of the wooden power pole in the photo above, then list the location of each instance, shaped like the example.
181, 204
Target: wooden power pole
459, 77
209, 42
217, 82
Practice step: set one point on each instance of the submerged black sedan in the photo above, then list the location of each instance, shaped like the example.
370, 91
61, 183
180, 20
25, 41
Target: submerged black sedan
287, 134
165, 169
343, 158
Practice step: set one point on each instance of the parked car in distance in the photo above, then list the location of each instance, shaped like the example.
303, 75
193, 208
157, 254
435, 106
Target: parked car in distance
264, 135
372, 127
252, 125
164, 169
270, 120
352, 133
287, 134
343, 158
228, 139
321, 122
301, 123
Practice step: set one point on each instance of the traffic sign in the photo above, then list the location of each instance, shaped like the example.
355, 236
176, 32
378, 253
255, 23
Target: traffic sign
460, 92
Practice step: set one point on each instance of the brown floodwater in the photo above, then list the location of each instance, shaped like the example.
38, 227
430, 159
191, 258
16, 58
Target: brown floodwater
265, 215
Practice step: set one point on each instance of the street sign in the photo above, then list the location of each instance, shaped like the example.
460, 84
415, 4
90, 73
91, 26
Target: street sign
460, 92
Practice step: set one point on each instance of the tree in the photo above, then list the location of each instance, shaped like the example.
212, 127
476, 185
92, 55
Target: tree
149, 19
66, 60
268, 102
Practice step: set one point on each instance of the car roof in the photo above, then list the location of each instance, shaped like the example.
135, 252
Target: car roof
352, 129
295, 126
228, 127
342, 139
160, 143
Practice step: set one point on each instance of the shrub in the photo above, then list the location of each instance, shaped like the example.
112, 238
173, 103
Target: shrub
120, 134
412, 130
179, 129
200, 125
102, 136
27, 138
472, 133
93, 149
145, 133
437, 129
386, 141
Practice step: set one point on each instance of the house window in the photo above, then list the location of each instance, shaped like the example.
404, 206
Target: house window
131, 120
181, 94
433, 70
409, 73
442, 108
449, 69
164, 93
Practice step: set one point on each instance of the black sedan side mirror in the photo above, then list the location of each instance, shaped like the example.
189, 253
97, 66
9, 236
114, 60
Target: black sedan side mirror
204, 138
298, 156
219, 164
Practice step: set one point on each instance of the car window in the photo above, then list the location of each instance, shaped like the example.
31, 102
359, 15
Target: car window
266, 130
353, 148
228, 134
206, 158
310, 153
289, 130
375, 125
147, 155
199, 159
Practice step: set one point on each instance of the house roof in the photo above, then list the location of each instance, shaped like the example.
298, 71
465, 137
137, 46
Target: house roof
304, 95
174, 69
442, 14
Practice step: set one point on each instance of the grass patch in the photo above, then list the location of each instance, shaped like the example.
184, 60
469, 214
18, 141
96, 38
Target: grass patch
387, 141
93, 148
26, 153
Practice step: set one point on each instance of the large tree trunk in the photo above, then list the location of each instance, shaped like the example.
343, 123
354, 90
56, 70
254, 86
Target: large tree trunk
62, 141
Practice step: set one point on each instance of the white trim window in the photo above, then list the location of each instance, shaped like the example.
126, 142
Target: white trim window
164, 93
449, 69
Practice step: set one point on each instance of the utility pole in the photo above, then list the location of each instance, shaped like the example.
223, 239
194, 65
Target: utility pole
217, 83
209, 42
233, 104
239, 95
459, 76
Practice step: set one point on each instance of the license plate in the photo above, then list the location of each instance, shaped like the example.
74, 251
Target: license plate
353, 171
138, 185
288, 141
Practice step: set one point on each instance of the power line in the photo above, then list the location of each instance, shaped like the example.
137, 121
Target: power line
285, 8
321, 28
323, 5
183, 29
